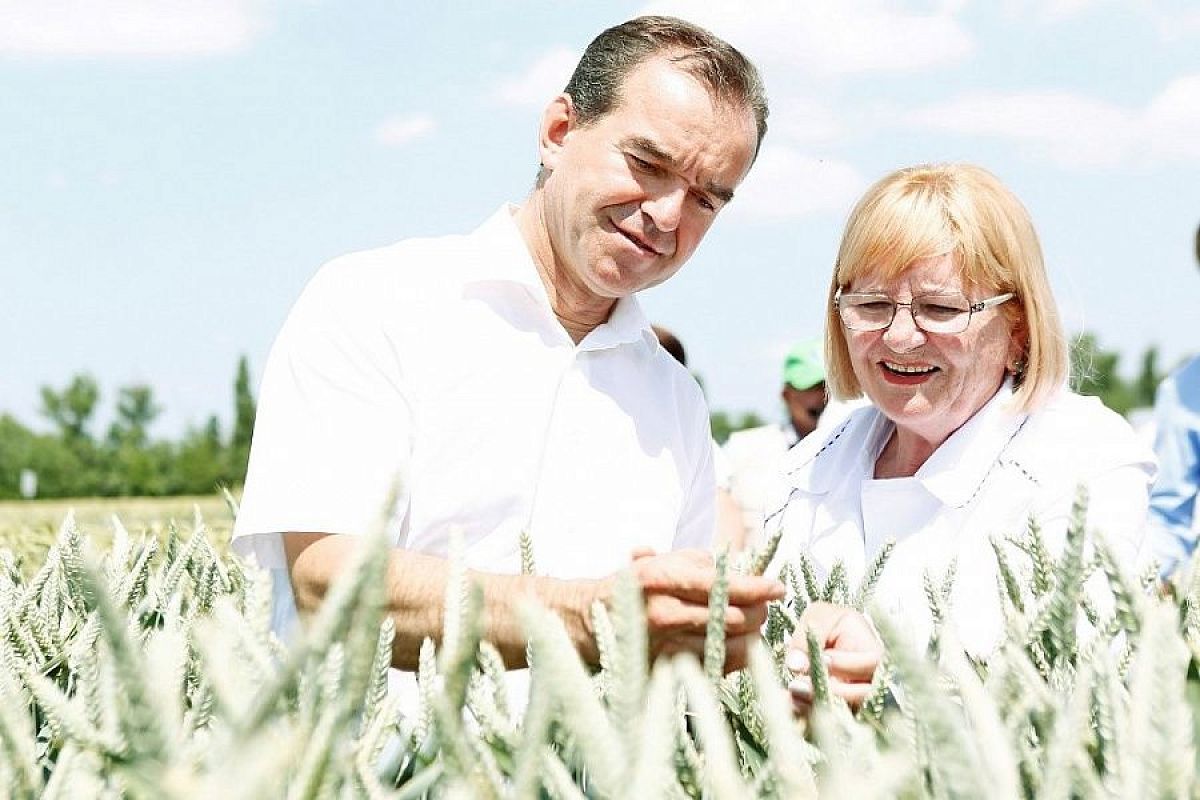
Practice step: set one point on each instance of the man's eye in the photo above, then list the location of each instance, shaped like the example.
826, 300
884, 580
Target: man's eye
705, 203
642, 164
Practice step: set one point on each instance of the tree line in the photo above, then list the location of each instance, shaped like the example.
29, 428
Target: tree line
73, 461
1095, 373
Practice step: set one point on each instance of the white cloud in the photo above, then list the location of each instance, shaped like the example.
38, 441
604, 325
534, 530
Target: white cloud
831, 37
1171, 19
1076, 131
540, 82
399, 130
1176, 24
1172, 120
785, 184
803, 121
1062, 127
127, 28
1046, 12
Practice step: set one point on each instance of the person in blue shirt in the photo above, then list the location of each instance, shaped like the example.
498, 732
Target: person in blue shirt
1174, 525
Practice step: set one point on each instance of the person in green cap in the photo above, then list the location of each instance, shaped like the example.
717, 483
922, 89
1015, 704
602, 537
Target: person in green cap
749, 460
804, 392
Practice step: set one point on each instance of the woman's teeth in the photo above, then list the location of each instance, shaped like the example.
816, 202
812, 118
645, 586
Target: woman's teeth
907, 369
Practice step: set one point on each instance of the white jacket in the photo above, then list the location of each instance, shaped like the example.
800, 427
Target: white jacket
985, 480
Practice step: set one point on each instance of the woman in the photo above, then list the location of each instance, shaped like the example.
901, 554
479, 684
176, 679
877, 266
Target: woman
940, 312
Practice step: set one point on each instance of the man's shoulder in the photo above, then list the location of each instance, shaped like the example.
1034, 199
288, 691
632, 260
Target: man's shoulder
1190, 368
417, 261
1184, 382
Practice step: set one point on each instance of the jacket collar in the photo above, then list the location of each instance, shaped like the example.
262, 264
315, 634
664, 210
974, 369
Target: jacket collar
956, 470
817, 466
953, 474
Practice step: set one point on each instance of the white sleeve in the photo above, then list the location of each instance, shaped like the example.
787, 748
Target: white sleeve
698, 517
1117, 502
722, 467
333, 429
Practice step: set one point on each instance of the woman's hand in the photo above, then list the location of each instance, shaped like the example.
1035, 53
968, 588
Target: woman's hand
850, 649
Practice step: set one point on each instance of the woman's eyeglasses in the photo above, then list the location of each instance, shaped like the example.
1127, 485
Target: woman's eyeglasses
932, 313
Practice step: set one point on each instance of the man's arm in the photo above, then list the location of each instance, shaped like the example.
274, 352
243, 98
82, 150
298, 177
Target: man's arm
731, 531
675, 586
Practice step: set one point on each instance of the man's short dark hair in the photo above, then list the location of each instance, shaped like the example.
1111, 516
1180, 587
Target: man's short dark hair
595, 86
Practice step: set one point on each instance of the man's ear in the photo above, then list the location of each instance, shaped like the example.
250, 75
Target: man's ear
558, 120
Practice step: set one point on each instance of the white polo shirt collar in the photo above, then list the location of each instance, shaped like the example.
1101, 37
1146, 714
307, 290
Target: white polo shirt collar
513, 263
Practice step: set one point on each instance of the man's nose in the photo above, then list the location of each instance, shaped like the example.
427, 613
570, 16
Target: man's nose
665, 209
903, 334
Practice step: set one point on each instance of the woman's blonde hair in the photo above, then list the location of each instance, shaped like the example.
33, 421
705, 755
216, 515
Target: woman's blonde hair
960, 209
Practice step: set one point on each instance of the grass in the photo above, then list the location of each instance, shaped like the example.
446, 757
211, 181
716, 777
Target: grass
29, 527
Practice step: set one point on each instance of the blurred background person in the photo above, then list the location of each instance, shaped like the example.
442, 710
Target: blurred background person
749, 461
670, 342
1174, 525
941, 313
729, 518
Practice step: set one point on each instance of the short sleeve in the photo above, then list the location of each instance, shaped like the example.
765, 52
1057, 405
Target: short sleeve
698, 516
1172, 529
333, 430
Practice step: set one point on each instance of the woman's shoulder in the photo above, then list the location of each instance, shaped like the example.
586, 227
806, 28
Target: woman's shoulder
1074, 435
826, 455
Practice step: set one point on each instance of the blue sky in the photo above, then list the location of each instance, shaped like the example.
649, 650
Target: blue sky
172, 171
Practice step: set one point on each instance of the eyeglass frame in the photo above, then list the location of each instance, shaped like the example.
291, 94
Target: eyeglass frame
972, 308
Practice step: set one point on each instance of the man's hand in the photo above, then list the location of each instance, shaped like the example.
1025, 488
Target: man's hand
851, 651
676, 586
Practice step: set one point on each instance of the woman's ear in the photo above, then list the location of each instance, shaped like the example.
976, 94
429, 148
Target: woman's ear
1018, 346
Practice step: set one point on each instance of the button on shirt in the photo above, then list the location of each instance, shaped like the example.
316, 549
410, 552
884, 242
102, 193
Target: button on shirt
437, 366
985, 480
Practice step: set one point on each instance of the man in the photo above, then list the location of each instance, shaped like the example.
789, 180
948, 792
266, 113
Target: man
751, 457
510, 382
1174, 523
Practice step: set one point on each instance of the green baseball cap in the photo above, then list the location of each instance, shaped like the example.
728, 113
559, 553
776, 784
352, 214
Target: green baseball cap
804, 368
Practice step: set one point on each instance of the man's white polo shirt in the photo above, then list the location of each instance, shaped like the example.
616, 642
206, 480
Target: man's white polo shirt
438, 365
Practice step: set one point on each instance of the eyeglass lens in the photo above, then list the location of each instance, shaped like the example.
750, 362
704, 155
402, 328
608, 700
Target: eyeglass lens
942, 313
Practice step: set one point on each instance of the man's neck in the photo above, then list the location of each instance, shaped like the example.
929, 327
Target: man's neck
578, 310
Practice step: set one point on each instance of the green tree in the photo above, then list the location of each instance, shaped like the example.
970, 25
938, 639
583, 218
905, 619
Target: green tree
66, 468
200, 461
71, 409
1146, 384
136, 410
243, 423
1094, 372
723, 424
16, 453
